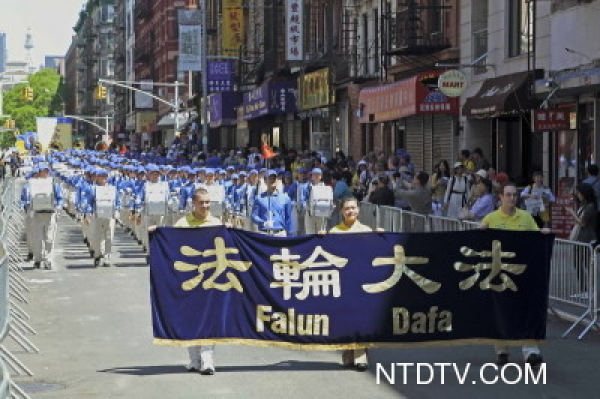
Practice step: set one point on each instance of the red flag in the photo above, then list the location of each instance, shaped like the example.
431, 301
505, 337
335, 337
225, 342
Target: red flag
267, 152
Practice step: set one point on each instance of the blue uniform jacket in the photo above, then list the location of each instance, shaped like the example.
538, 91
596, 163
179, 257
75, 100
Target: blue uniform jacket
276, 207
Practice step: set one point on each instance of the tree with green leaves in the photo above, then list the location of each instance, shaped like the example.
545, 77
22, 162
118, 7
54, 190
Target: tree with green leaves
46, 100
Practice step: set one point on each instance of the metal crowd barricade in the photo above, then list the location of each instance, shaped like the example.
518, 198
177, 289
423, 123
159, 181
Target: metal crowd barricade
7, 328
441, 223
389, 218
368, 214
470, 225
12, 288
573, 281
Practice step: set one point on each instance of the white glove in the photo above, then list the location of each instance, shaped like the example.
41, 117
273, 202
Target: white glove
268, 224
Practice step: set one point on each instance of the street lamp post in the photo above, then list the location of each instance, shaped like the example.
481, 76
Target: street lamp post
174, 105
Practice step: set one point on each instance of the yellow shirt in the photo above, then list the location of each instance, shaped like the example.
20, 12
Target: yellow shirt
521, 220
191, 221
357, 227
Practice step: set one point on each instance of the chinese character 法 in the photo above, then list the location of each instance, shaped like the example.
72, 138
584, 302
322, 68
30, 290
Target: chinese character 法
221, 264
496, 268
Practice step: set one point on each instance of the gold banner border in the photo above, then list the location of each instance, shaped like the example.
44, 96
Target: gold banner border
333, 347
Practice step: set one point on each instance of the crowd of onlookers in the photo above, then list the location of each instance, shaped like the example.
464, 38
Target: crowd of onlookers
464, 188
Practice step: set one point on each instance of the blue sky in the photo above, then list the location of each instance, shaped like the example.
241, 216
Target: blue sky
51, 22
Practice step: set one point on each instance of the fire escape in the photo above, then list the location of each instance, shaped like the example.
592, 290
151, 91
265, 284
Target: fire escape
333, 39
263, 52
415, 32
144, 44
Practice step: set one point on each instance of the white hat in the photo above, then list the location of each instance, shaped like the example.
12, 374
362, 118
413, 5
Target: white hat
482, 173
458, 165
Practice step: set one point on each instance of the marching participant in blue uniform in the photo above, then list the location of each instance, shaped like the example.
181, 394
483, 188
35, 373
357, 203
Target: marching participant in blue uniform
251, 192
272, 210
28, 213
312, 224
153, 199
45, 199
104, 206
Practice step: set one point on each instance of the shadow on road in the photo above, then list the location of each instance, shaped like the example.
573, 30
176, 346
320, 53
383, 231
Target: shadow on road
291, 365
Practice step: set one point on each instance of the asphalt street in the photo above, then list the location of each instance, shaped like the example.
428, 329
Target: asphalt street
95, 336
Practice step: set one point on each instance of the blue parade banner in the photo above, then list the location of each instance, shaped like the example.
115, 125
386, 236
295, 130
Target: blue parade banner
347, 291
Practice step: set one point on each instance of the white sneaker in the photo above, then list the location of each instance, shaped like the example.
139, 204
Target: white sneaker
193, 367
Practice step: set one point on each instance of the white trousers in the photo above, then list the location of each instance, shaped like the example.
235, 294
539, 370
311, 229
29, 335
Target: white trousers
28, 234
102, 233
313, 224
43, 230
148, 221
202, 356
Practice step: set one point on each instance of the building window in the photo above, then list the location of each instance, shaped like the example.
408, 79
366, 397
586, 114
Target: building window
520, 22
479, 33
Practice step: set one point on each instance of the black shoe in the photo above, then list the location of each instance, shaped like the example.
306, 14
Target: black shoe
535, 360
85, 240
36, 265
502, 359
207, 371
29, 257
361, 366
96, 262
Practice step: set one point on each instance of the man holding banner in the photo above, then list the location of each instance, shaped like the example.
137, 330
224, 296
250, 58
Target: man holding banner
349, 211
201, 357
509, 217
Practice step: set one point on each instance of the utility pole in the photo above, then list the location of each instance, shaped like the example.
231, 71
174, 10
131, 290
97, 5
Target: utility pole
204, 67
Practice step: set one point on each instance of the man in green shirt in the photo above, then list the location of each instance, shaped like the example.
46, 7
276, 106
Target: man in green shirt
509, 217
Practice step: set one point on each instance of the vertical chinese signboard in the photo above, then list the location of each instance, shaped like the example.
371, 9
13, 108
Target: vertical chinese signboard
233, 27
293, 33
190, 35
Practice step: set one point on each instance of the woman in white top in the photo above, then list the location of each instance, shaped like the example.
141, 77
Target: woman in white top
456, 192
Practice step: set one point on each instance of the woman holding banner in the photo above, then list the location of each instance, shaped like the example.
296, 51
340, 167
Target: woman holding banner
349, 210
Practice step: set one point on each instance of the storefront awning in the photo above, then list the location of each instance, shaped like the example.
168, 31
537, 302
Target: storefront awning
168, 121
412, 96
502, 96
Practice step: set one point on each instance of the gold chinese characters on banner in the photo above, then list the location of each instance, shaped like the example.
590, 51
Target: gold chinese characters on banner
314, 89
233, 27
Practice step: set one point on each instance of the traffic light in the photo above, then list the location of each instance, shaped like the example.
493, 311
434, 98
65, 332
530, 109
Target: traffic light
100, 92
13, 123
28, 94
